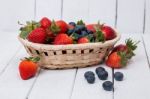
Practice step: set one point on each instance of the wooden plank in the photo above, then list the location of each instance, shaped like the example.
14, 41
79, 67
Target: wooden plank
83, 90
103, 10
48, 8
14, 11
74, 10
130, 16
147, 19
9, 46
136, 81
11, 85
147, 45
55, 84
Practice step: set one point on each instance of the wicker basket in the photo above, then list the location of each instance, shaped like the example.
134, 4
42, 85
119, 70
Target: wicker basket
69, 56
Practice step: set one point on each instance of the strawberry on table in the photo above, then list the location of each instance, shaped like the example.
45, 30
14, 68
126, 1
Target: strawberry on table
37, 36
28, 67
117, 60
128, 47
45, 22
62, 39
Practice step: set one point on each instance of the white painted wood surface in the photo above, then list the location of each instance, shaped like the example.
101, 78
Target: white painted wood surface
102, 10
130, 16
48, 8
136, 75
147, 45
83, 90
54, 84
11, 85
147, 17
74, 10
13, 11
9, 47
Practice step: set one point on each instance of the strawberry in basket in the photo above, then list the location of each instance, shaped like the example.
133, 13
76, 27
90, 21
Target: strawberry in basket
44, 37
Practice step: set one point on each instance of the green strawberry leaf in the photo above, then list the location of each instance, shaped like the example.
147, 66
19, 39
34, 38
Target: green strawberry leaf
80, 22
24, 34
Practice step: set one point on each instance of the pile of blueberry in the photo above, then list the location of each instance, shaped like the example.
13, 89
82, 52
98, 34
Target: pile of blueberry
103, 75
79, 30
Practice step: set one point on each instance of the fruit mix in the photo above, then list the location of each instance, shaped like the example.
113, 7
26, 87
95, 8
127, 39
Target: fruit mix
61, 33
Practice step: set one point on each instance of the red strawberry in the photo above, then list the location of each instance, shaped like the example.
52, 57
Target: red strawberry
62, 25
37, 36
28, 68
62, 39
45, 22
83, 40
128, 47
91, 27
108, 32
70, 26
117, 60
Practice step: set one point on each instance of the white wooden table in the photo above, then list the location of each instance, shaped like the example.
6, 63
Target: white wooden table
130, 17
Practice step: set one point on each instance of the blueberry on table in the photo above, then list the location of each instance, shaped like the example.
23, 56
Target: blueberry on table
103, 75
99, 69
118, 76
107, 85
72, 23
88, 73
90, 77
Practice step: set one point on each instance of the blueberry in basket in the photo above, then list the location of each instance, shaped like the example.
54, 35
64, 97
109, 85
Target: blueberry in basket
90, 77
72, 23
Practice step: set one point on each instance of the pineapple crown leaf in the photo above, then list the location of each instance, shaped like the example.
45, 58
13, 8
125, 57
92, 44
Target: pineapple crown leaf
33, 59
54, 28
132, 45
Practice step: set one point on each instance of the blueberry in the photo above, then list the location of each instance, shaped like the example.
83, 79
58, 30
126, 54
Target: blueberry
108, 85
90, 79
77, 29
99, 69
83, 33
118, 76
88, 73
103, 75
81, 27
70, 31
72, 23
89, 32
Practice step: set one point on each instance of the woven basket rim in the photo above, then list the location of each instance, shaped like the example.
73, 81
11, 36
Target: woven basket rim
69, 46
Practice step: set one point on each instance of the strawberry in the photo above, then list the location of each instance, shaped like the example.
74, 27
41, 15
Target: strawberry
108, 32
128, 47
91, 27
45, 22
28, 67
62, 25
83, 40
70, 26
37, 36
62, 39
117, 60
